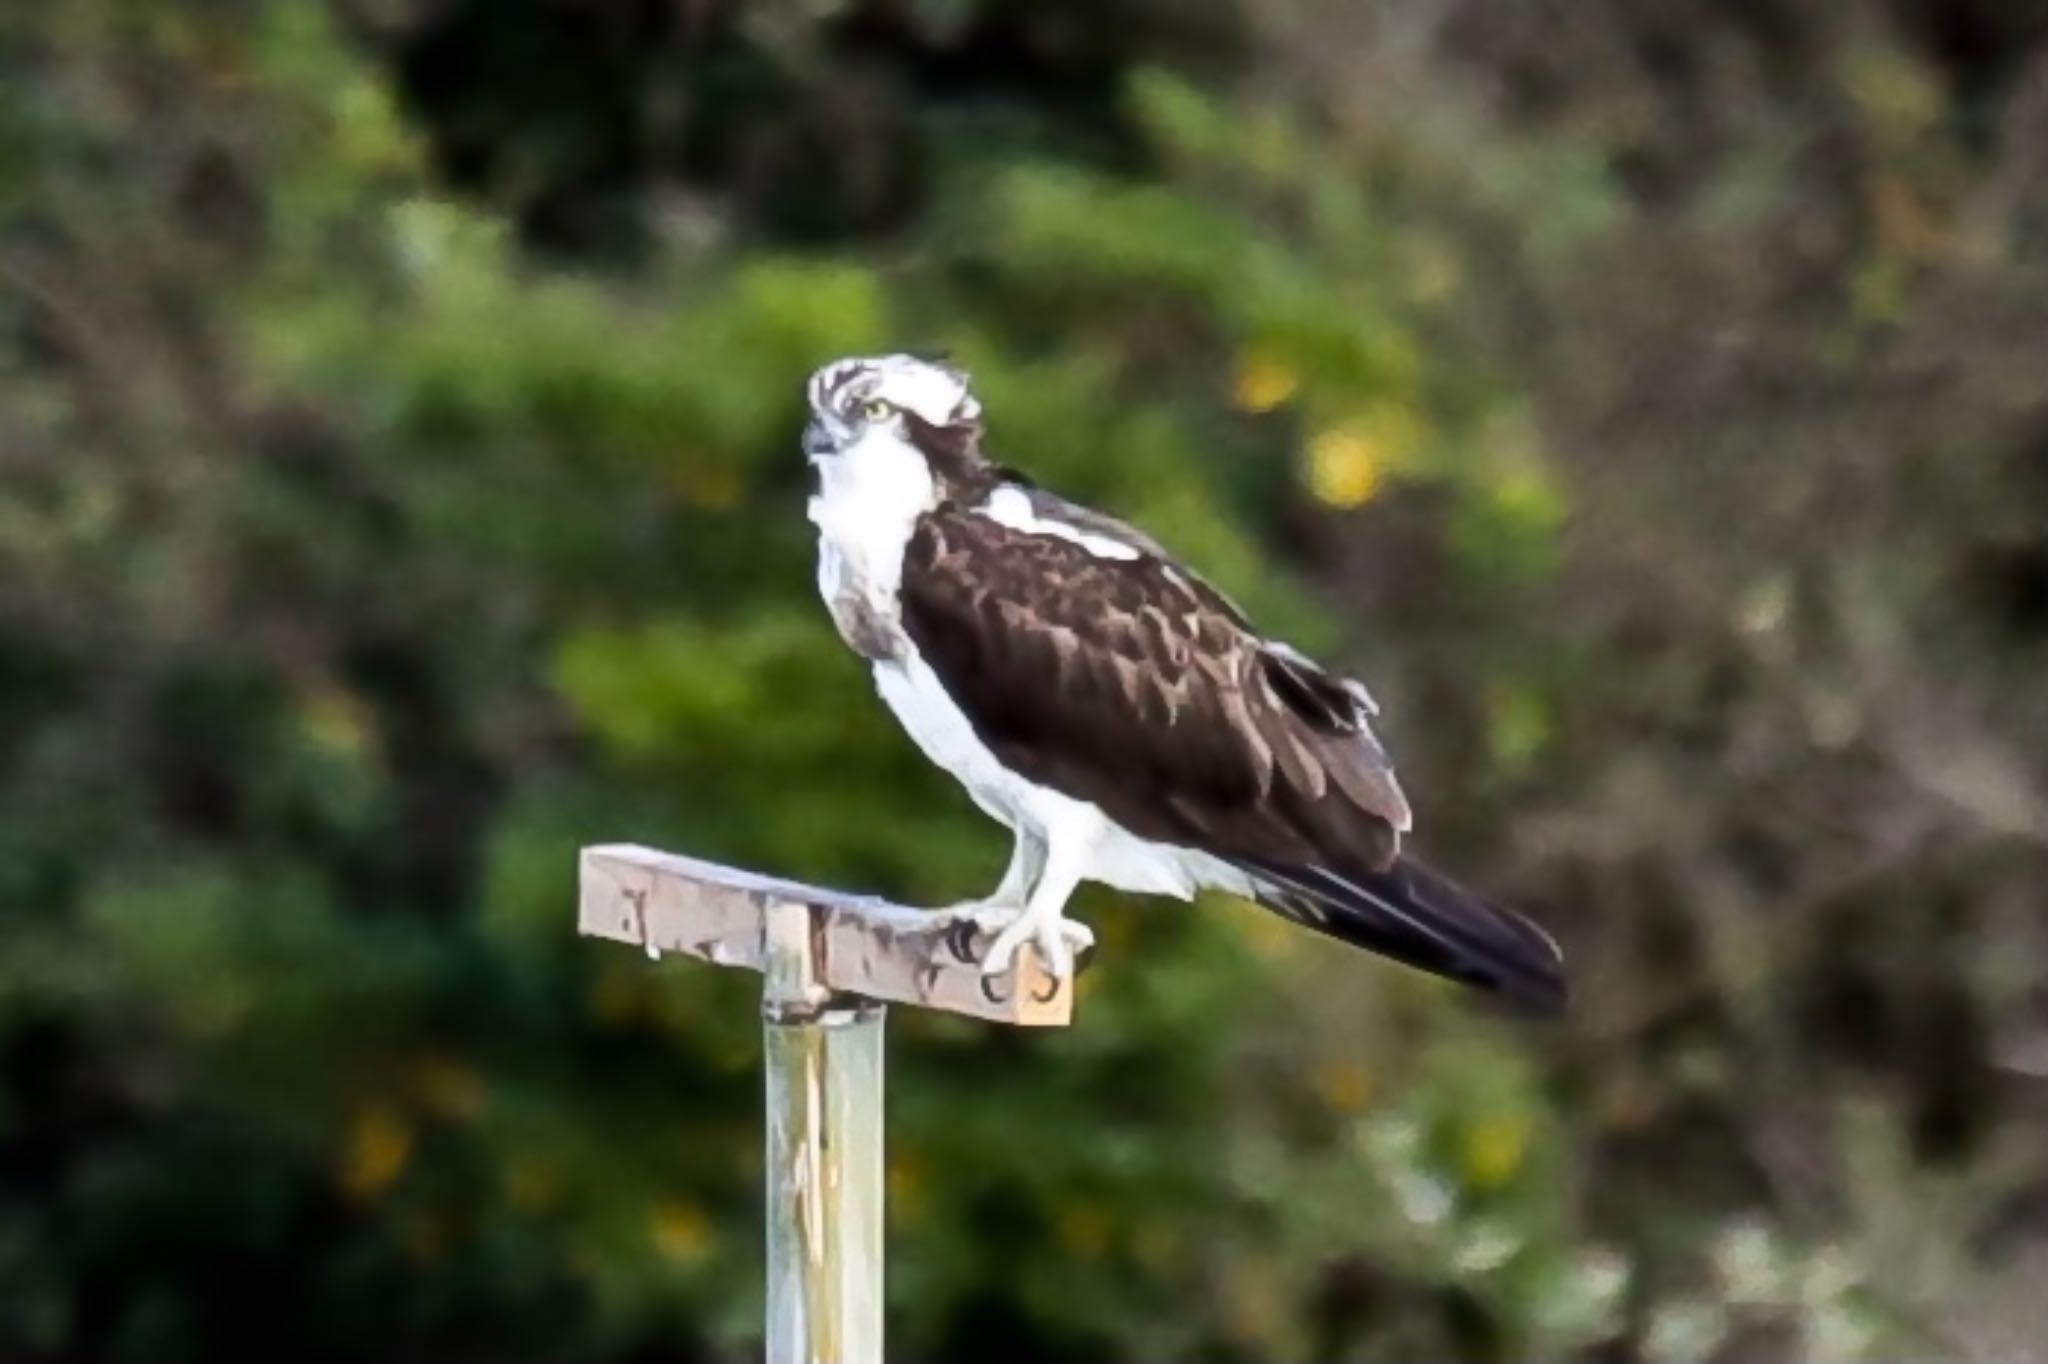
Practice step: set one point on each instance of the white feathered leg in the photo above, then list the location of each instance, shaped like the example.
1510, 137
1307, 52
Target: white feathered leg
1020, 878
995, 910
1042, 924
972, 921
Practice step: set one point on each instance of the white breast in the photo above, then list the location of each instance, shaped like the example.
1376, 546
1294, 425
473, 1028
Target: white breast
866, 509
1116, 857
867, 504
940, 730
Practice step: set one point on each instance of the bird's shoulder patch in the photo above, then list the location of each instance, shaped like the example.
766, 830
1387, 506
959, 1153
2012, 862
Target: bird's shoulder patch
1032, 512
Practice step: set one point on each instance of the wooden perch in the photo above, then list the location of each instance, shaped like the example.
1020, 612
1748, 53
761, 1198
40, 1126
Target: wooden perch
839, 942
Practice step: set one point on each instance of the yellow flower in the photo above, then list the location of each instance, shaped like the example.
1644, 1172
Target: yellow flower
1349, 463
1263, 383
680, 1231
379, 1145
1345, 466
1345, 1086
1494, 1148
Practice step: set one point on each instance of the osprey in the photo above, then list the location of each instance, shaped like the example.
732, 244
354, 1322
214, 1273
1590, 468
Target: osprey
1122, 717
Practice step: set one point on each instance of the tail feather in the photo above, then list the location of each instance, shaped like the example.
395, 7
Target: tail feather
1419, 917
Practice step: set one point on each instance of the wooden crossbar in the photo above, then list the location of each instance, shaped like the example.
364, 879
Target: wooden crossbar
860, 945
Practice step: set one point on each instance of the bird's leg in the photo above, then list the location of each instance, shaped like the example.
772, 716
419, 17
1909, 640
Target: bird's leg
1021, 877
1041, 923
986, 917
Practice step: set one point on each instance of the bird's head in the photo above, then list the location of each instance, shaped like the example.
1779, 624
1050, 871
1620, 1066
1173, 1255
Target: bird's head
924, 403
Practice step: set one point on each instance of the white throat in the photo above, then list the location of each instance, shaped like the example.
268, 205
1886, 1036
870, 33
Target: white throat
867, 504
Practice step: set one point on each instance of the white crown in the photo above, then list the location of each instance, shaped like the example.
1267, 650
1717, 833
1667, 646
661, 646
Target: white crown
937, 393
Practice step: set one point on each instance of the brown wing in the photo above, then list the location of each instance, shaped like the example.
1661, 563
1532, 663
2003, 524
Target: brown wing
1133, 685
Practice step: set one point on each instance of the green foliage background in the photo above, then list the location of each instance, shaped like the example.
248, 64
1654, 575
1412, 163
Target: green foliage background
398, 488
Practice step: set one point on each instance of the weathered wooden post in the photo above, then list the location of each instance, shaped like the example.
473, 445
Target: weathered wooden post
829, 962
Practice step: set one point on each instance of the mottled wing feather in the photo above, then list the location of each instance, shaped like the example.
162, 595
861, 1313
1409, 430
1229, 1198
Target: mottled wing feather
1131, 684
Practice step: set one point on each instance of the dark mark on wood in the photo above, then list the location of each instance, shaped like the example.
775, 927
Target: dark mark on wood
636, 896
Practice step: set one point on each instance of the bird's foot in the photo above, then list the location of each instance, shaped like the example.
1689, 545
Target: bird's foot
1057, 939
972, 922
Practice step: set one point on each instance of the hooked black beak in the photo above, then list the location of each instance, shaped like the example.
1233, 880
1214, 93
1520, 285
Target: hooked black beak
817, 441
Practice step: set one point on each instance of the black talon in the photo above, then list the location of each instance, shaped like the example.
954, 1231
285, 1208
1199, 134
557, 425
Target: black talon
988, 991
960, 940
1052, 991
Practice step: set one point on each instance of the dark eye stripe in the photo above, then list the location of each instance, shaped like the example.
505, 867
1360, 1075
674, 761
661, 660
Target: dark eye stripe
831, 387
857, 391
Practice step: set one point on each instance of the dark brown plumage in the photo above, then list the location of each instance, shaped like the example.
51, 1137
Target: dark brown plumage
1193, 751
1129, 683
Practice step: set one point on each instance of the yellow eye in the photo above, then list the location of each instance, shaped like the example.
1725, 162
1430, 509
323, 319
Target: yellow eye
875, 410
